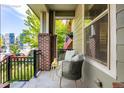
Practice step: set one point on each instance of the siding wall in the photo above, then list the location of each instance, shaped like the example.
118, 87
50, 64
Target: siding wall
120, 42
90, 73
77, 29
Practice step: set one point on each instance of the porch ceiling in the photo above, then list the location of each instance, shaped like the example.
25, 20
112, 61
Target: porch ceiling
38, 8
63, 8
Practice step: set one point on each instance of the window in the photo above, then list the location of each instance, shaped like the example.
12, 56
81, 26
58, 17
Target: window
96, 32
92, 11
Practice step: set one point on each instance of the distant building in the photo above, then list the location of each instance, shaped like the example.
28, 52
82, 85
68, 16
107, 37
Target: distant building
9, 40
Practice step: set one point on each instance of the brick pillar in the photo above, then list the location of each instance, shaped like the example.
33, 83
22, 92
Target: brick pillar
44, 44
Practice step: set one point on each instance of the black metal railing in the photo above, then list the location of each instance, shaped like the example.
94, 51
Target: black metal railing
19, 68
37, 64
4, 70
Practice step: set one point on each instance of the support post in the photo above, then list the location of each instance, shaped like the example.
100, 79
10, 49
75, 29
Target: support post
9, 68
35, 64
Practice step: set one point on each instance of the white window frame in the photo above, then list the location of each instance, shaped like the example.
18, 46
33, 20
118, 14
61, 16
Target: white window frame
110, 69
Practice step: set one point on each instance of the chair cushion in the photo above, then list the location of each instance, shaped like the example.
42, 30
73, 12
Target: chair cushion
69, 54
78, 57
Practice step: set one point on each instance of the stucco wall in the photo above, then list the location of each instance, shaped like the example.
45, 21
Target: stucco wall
90, 73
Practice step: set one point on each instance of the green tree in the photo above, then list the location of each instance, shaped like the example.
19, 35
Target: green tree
61, 31
14, 48
31, 32
1, 41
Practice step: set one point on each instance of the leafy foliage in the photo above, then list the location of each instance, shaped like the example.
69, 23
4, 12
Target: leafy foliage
33, 28
61, 31
87, 21
15, 48
31, 32
1, 42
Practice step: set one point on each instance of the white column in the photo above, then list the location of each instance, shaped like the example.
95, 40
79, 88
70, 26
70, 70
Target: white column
47, 22
43, 23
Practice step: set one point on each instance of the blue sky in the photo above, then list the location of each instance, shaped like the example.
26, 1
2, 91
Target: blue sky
12, 18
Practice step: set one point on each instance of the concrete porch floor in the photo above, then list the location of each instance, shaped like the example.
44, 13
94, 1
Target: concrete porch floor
47, 79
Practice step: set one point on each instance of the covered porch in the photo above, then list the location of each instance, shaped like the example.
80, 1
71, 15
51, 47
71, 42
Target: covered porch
94, 35
47, 15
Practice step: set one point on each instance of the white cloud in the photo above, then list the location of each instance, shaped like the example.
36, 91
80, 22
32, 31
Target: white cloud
21, 9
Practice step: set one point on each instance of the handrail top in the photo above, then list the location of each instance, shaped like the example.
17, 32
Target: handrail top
4, 59
21, 57
15, 57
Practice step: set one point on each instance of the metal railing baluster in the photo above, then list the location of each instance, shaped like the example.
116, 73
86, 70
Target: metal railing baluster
24, 67
21, 69
9, 68
0, 73
16, 68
